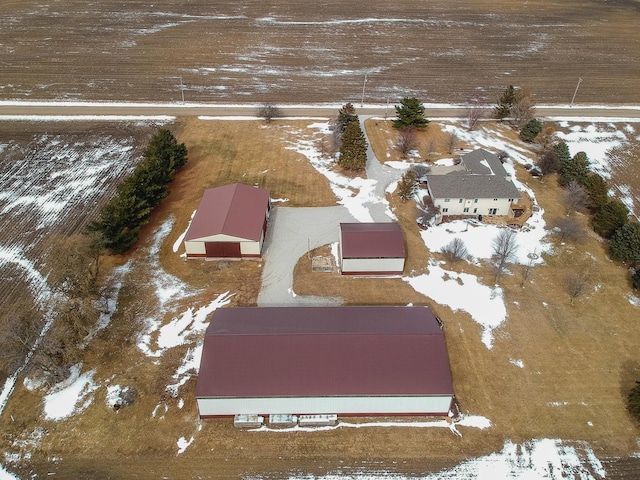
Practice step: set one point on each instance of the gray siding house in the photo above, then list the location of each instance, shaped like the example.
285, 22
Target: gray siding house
483, 187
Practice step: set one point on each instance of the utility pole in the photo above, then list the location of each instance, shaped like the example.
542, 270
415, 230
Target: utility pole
574, 93
364, 85
182, 88
386, 110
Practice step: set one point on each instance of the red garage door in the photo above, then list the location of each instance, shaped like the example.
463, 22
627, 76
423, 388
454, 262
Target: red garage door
222, 249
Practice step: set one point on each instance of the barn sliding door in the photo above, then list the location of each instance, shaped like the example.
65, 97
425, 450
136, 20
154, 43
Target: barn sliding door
222, 249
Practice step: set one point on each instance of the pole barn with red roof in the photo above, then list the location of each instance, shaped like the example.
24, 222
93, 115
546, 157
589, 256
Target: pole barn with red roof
356, 360
371, 249
231, 222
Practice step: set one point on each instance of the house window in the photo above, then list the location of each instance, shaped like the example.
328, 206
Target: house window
495, 199
475, 210
446, 200
460, 201
466, 210
445, 210
475, 201
493, 211
511, 200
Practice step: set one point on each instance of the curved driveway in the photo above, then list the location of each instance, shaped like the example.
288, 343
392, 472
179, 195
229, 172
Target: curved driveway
295, 231
292, 233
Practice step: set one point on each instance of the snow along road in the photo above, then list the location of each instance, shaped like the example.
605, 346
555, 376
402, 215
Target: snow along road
17, 110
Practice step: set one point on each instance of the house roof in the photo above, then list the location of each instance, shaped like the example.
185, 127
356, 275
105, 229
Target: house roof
237, 210
485, 177
323, 351
371, 240
481, 162
457, 185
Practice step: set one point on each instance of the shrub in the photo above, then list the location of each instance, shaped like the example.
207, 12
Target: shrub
633, 401
570, 229
635, 280
531, 130
455, 250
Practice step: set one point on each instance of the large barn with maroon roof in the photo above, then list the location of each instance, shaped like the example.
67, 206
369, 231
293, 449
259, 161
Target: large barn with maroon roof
369, 360
231, 222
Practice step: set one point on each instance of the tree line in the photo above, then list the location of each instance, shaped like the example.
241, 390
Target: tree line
120, 219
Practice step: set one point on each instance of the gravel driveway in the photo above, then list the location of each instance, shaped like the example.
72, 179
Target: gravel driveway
293, 232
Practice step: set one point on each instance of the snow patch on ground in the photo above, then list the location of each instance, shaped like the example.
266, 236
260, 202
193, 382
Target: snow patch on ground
596, 141
462, 291
538, 459
517, 363
183, 444
353, 193
178, 243
71, 396
475, 421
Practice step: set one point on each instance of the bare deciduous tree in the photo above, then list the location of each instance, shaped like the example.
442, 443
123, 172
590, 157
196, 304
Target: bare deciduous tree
474, 114
546, 138
452, 142
523, 108
548, 162
571, 229
431, 146
268, 111
527, 270
576, 284
406, 140
455, 250
420, 171
504, 246
576, 198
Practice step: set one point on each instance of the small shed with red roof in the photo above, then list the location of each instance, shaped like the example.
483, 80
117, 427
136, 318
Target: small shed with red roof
371, 249
356, 360
231, 222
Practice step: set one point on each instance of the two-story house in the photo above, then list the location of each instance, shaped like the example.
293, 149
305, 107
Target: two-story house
482, 187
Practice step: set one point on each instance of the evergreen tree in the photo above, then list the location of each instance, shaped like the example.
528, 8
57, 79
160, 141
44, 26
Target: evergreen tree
597, 189
611, 216
164, 155
624, 245
353, 151
346, 115
407, 185
575, 170
410, 113
503, 108
531, 130
633, 401
562, 151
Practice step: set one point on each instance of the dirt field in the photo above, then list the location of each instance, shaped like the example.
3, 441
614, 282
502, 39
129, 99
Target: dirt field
287, 52
54, 179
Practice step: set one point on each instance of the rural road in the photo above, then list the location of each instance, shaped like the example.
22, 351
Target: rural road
9, 109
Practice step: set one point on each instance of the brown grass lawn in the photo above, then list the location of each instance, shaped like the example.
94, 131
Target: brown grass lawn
579, 360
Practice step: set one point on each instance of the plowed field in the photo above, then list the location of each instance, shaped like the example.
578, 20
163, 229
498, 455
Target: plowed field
293, 51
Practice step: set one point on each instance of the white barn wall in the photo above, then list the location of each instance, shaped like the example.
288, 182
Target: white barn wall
194, 248
372, 265
391, 405
455, 207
